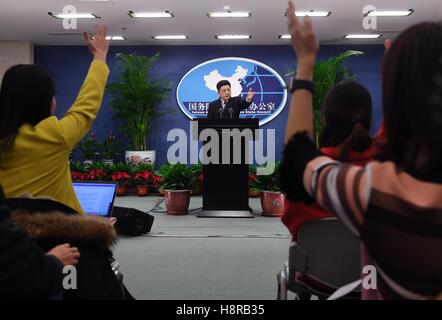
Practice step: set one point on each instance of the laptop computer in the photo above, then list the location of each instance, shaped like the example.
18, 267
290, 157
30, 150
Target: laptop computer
96, 198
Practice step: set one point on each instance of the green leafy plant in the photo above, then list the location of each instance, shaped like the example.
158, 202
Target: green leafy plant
326, 74
136, 97
88, 147
266, 182
176, 177
108, 147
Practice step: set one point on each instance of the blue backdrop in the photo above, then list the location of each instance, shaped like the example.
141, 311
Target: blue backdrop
69, 64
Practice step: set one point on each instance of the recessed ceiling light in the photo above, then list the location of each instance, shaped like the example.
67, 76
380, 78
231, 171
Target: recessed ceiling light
170, 37
363, 36
235, 14
114, 38
313, 13
394, 13
284, 36
73, 15
233, 36
159, 14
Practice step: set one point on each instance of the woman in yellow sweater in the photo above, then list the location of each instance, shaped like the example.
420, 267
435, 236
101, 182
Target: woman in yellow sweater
34, 144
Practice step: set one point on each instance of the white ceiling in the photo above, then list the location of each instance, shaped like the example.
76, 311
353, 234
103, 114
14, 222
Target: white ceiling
29, 20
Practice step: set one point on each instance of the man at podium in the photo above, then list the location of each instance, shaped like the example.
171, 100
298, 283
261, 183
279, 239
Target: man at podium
227, 107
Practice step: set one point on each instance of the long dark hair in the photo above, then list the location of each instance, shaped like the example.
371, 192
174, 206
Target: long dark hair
412, 98
25, 97
347, 114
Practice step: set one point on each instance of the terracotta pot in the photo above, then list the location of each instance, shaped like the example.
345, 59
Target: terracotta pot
142, 191
121, 191
254, 193
177, 201
272, 203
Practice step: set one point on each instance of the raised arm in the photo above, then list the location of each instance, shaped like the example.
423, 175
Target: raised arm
245, 103
305, 175
79, 118
306, 47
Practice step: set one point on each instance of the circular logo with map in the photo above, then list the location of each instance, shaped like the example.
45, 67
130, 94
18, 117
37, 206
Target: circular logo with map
198, 87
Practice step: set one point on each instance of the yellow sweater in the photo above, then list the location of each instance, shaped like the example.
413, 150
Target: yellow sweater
38, 162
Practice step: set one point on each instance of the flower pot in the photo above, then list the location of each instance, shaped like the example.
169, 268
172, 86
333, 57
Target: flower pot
161, 192
272, 203
136, 157
121, 191
254, 193
108, 161
177, 201
142, 191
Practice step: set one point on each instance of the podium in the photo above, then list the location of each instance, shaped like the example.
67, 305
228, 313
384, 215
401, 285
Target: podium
226, 183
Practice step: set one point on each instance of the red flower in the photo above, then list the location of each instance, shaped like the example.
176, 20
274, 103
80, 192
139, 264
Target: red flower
156, 181
123, 178
95, 174
75, 175
143, 175
252, 177
201, 177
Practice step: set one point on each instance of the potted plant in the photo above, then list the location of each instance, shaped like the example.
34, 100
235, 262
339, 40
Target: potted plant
142, 179
88, 148
120, 173
108, 149
326, 74
177, 181
163, 169
272, 200
99, 171
136, 97
254, 191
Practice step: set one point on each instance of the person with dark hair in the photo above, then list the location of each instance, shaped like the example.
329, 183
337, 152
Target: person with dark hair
34, 144
227, 107
26, 272
347, 117
395, 206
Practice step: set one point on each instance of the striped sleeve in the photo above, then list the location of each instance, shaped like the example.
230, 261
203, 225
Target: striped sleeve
340, 188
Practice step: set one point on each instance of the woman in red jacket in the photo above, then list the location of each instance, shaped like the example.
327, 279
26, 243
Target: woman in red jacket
347, 117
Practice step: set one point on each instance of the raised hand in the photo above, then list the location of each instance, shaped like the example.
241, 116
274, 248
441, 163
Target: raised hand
387, 44
250, 95
304, 40
98, 46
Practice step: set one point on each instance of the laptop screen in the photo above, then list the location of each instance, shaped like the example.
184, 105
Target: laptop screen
96, 198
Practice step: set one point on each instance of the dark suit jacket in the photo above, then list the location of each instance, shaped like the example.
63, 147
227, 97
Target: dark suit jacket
236, 104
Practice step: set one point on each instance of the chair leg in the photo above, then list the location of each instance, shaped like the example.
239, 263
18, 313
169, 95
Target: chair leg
282, 286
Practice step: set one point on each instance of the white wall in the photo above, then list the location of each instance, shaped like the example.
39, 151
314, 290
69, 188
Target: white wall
15, 52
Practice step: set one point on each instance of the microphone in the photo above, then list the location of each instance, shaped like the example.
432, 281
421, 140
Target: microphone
231, 112
221, 113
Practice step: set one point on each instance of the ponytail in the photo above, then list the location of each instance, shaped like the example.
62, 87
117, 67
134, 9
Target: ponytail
358, 140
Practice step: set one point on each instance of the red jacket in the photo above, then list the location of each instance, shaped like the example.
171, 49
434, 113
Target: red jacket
297, 213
